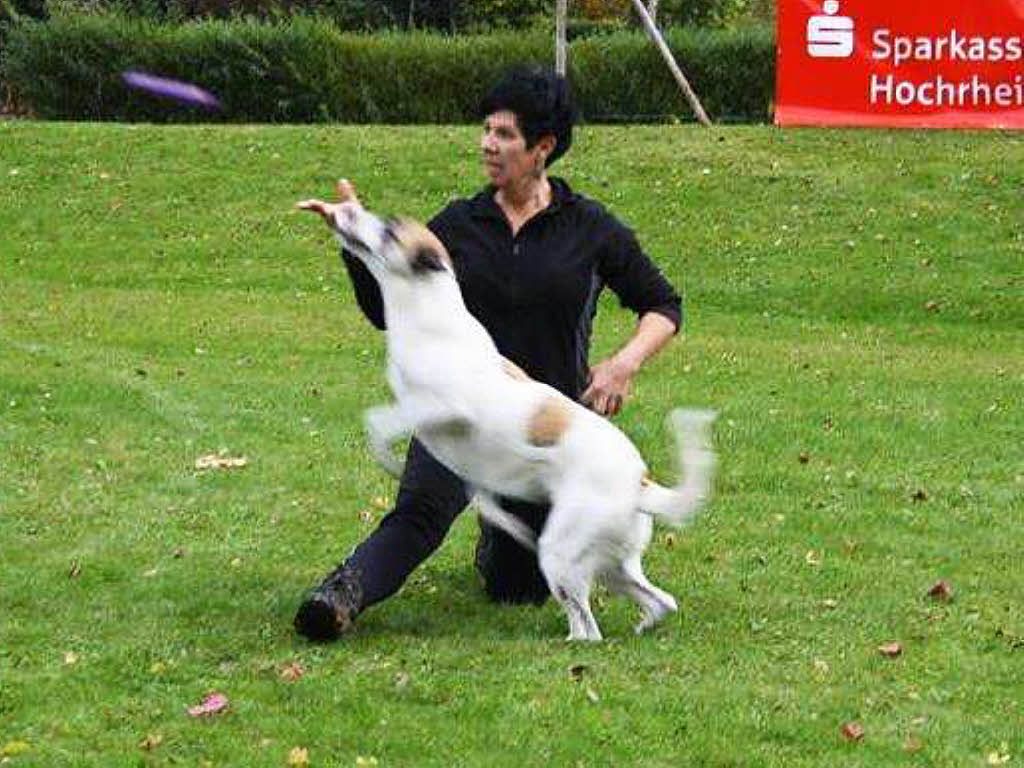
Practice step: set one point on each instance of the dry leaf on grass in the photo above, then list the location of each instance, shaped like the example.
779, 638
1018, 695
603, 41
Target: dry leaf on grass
298, 756
912, 744
216, 461
941, 590
291, 672
892, 650
212, 704
1000, 756
852, 731
151, 741
15, 748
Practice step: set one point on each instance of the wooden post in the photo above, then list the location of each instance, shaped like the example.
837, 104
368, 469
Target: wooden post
561, 48
666, 54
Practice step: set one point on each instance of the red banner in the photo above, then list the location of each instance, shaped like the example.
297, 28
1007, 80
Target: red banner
940, 64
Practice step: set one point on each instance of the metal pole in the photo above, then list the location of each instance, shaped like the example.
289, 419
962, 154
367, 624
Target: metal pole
659, 41
561, 49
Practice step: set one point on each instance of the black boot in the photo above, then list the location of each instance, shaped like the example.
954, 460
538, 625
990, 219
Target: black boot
331, 607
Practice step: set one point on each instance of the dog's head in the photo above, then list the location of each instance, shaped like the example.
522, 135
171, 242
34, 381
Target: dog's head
397, 246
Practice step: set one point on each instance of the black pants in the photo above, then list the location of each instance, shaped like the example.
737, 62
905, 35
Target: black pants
430, 497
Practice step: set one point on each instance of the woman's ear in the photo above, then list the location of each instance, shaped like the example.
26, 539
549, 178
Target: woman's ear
547, 144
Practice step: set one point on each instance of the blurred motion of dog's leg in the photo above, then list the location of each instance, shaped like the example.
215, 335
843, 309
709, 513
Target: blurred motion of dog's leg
492, 512
696, 460
384, 425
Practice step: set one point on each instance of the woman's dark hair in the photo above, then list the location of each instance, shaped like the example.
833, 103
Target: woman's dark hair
542, 103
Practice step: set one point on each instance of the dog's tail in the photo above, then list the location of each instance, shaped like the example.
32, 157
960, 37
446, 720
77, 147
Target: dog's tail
679, 505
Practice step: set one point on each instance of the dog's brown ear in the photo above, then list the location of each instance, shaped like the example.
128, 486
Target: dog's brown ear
426, 259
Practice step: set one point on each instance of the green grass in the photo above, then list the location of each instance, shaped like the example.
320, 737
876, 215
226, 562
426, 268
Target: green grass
853, 297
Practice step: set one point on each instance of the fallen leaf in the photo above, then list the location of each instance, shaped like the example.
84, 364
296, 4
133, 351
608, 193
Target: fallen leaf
813, 558
151, 742
298, 756
919, 495
216, 461
941, 590
592, 695
365, 760
803, 458
291, 672
211, 704
932, 306
75, 570
402, 681
70, 657
997, 758
852, 731
912, 744
15, 748
830, 603
892, 650
381, 502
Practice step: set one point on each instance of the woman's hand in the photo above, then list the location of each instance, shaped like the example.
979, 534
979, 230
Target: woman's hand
610, 383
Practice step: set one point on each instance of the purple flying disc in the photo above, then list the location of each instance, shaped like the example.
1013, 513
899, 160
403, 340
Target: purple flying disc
171, 89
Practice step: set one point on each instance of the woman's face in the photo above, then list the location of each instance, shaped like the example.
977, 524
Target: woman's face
506, 158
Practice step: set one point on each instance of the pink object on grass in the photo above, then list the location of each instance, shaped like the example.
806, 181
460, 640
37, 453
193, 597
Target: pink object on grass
211, 705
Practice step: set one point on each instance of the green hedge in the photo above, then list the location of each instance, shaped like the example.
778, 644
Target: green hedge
304, 70
623, 76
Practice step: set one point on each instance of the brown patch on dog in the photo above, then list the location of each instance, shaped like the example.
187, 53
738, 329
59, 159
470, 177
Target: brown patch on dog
513, 371
646, 482
416, 238
548, 423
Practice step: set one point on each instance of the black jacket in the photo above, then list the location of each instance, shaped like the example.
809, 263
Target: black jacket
536, 293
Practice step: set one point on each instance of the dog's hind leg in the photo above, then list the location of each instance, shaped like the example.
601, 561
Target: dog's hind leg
569, 575
629, 579
384, 425
574, 597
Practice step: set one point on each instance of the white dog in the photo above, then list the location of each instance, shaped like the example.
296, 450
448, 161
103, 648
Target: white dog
505, 434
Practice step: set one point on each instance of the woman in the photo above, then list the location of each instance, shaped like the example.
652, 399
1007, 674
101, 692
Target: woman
531, 257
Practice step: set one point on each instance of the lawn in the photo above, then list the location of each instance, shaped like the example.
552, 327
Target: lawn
855, 311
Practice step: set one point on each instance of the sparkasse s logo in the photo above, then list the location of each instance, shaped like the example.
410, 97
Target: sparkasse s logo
829, 35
